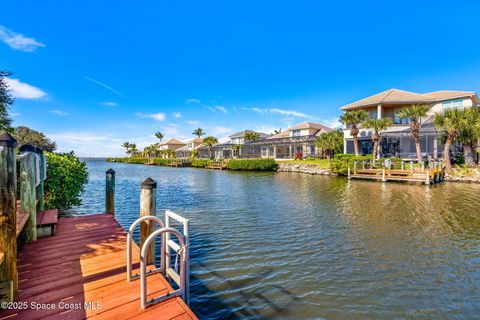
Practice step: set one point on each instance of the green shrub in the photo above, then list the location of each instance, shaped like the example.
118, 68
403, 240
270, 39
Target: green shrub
341, 162
252, 164
200, 163
66, 179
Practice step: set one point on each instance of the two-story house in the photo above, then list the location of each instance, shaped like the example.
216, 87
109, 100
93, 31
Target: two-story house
172, 144
298, 140
191, 145
397, 139
229, 149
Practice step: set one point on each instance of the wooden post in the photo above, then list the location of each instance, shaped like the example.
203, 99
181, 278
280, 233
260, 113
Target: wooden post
403, 165
28, 198
40, 191
383, 175
348, 173
8, 217
148, 197
411, 165
110, 191
427, 179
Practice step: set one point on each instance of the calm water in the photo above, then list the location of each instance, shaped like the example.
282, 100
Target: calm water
294, 246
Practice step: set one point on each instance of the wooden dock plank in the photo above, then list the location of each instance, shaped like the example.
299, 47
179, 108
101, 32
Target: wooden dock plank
85, 262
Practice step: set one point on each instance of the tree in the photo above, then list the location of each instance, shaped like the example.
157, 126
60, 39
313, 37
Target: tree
159, 136
210, 141
198, 132
468, 134
277, 131
352, 119
251, 136
377, 125
6, 100
450, 121
130, 148
414, 114
25, 135
330, 142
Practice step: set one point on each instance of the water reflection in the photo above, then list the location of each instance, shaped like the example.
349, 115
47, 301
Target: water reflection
292, 246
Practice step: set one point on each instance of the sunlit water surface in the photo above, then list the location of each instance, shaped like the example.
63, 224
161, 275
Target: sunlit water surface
294, 246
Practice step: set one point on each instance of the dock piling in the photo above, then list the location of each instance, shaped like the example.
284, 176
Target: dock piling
148, 197
28, 197
8, 238
349, 173
40, 191
383, 175
110, 191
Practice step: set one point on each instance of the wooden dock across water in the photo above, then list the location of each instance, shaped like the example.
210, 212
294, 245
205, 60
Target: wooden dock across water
81, 273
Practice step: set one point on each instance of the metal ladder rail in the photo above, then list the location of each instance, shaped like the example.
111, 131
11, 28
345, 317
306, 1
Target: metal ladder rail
161, 269
170, 244
178, 278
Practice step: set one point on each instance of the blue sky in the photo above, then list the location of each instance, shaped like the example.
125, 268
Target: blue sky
92, 74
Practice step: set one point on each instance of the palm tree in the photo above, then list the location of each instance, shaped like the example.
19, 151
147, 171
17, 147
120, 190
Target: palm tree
209, 142
468, 133
353, 119
126, 145
277, 131
330, 142
414, 114
449, 121
251, 136
159, 136
377, 125
130, 148
198, 132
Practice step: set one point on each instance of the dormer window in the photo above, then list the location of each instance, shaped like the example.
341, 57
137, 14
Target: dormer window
296, 133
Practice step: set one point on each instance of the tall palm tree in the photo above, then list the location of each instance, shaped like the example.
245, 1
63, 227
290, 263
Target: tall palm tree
209, 142
159, 136
353, 119
377, 125
414, 114
277, 131
126, 145
330, 142
450, 121
468, 134
251, 136
198, 132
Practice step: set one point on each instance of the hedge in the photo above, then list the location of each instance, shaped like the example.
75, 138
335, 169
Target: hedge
200, 163
252, 164
341, 162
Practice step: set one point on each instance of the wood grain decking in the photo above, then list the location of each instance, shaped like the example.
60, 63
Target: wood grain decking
84, 263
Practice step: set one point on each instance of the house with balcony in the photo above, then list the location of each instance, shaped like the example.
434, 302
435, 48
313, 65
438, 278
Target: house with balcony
397, 139
233, 147
186, 150
297, 141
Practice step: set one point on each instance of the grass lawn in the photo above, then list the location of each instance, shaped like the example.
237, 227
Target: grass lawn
321, 163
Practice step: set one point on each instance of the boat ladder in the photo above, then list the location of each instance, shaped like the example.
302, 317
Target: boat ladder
179, 274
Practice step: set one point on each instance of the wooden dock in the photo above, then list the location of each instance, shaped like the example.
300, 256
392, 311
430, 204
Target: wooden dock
427, 176
80, 273
217, 165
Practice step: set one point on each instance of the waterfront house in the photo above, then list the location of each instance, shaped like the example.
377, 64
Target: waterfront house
233, 147
191, 145
172, 144
397, 139
297, 141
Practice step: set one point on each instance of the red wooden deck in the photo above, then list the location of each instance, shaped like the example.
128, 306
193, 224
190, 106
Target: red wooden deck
85, 263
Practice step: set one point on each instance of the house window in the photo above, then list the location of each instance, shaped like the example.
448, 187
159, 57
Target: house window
296, 133
373, 115
453, 104
398, 120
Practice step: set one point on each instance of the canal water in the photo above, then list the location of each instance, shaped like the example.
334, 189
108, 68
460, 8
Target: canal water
295, 246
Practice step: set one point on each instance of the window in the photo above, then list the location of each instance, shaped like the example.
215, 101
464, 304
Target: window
453, 104
373, 114
296, 133
397, 120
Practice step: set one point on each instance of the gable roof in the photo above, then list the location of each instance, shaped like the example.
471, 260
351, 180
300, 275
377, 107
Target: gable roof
309, 125
395, 96
241, 134
174, 141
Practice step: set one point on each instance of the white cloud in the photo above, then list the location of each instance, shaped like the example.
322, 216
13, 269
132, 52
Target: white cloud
58, 112
88, 144
220, 132
177, 115
257, 110
157, 116
22, 90
105, 86
332, 122
291, 113
15, 114
18, 41
109, 104
193, 100
194, 122
221, 109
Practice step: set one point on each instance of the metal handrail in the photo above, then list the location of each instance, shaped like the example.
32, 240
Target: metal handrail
129, 247
183, 248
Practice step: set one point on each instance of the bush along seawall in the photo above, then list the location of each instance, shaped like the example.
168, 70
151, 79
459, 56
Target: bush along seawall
337, 166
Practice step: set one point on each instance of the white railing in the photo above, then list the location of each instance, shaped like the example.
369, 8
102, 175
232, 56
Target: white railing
181, 270
129, 247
